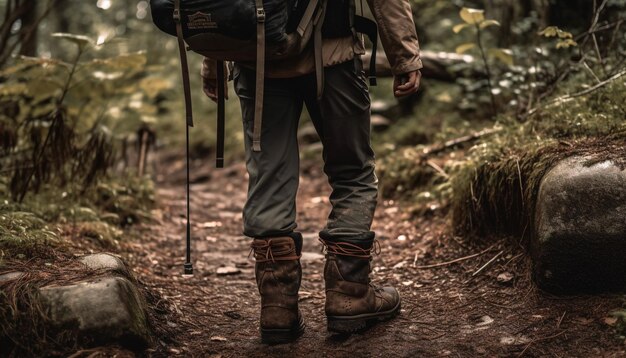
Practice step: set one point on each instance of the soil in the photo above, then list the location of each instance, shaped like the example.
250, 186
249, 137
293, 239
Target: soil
484, 304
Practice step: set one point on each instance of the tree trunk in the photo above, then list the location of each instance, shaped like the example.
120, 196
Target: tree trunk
29, 31
62, 21
437, 65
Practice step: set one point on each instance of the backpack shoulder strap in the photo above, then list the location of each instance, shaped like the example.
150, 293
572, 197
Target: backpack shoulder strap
307, 16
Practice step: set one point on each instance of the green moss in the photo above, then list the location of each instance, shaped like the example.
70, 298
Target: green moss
53, 216
23, 233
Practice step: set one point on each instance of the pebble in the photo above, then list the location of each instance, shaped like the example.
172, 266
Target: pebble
505, 278
228, 270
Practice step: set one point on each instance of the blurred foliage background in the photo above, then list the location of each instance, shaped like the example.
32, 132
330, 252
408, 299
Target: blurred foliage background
90, 88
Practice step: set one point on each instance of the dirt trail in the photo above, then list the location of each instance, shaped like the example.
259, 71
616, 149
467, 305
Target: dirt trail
446, 310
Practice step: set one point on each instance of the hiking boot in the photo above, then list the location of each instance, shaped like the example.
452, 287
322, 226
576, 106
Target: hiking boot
352, 301
278, 275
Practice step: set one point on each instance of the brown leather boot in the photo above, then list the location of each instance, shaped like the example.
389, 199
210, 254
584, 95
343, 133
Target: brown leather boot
278, 275
352, 302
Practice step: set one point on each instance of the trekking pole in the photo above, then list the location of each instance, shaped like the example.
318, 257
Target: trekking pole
188, 267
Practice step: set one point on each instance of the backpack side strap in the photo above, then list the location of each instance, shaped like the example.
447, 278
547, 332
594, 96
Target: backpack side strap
260, 76
184, 63
317, 49
370, 29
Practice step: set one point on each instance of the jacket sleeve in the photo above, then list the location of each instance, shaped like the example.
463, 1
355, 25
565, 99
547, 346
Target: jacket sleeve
397, 33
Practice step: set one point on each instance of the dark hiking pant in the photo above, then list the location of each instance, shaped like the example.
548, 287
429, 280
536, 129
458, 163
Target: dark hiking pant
342, 120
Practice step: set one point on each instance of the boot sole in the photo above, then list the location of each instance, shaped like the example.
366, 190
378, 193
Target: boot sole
353, 324
282, 336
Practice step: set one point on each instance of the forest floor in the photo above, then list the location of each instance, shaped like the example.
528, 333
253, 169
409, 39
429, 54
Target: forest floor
482, 305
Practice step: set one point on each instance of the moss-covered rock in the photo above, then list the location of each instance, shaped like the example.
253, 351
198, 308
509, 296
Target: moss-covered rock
579, 237
107, 310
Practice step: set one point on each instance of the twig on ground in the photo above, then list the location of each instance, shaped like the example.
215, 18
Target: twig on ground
567, 98
437, 168
435, 149
558, 324
84, 351
459, 259
483, 267
539, 340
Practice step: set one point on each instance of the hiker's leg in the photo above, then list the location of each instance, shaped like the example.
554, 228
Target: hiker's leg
342, 120
274, 171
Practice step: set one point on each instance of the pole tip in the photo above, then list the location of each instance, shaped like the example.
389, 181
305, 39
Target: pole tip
188, 269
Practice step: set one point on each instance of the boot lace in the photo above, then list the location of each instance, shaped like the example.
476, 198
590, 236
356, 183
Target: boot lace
352, 250
271, 250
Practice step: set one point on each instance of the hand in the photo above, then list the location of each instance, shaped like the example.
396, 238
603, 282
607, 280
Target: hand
407, 84
209, 86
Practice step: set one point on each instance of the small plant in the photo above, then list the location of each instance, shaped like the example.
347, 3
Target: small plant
564, 38
475, 19
60, 122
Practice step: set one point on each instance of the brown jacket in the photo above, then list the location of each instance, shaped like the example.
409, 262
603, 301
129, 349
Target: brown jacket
397, 33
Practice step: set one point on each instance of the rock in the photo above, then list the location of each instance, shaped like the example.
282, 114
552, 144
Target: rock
108, 310
579, 239
105, 262
379, 122
382, 106
11, 276
228, 270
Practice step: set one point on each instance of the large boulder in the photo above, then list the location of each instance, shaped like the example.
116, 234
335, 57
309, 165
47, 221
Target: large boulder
579, 241
107, 310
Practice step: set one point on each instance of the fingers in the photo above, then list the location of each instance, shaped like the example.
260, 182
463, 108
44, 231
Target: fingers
412, 90
410, 86
209, 86
410, 83
210, 92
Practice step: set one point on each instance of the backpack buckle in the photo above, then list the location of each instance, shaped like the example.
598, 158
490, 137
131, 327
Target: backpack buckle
176, 15
260, 14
